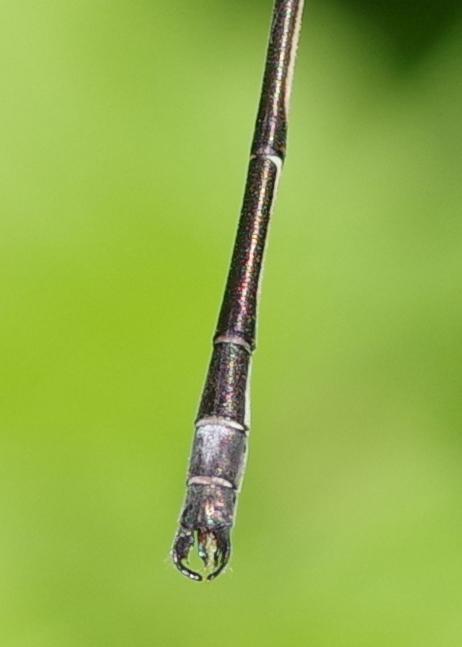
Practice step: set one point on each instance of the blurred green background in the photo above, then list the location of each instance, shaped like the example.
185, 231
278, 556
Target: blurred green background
125, 129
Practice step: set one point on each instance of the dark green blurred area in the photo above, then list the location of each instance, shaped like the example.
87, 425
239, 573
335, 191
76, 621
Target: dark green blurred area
125, 129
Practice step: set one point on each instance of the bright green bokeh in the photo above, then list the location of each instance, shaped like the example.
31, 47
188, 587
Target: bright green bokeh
125, 128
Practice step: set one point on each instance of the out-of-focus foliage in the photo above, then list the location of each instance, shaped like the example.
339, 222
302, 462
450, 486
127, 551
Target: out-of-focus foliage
125, 128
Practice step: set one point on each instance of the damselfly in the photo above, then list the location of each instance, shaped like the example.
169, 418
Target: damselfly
222, 425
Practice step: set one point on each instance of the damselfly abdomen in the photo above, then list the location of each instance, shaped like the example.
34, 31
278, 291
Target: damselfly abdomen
222, 425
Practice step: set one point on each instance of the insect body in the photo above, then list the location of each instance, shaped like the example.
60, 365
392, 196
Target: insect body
222, 425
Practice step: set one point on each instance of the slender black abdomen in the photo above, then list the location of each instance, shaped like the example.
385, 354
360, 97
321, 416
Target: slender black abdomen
220, 443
